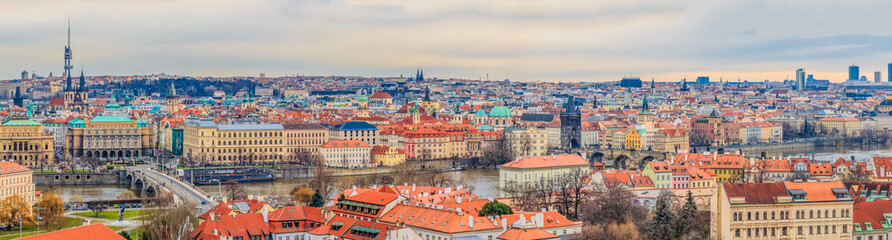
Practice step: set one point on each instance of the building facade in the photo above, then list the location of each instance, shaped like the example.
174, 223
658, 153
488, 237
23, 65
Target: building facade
25, 142
782, 210
16, 179
346, 154
207, 142
109, 137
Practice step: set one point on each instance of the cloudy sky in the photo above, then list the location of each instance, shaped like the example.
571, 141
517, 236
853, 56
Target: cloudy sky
528, 40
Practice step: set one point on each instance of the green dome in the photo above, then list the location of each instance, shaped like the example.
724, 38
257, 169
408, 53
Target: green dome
480, 113
485, 127
112, 106
499, 111
362, 98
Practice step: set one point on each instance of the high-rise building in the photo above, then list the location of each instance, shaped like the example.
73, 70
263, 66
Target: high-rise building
890, 72
703, 80
800, 79
854, 72
878, 76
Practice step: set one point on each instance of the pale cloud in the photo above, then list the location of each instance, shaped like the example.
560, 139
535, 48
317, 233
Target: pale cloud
568, 40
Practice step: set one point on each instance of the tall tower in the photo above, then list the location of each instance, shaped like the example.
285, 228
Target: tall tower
68, 91
854, 72
17, 99
173, 100
800, 79
571, 126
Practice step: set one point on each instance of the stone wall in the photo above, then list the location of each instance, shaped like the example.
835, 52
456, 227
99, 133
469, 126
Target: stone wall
44, 179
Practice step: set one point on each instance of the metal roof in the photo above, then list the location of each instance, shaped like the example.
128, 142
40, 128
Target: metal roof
239, 127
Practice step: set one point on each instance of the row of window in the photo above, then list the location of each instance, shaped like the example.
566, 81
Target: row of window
800, 214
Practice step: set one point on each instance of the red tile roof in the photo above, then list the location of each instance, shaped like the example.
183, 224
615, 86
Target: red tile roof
547, 161
526, 234
12, 167
95, 231
756, 192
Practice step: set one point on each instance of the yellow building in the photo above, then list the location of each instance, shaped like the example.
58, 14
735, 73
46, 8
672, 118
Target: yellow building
24, 141
527, 141
304, 137
845, 126
633, 139
671, 140
387, 155
525, 171
109, 137
16, 179
782, 210
206, 142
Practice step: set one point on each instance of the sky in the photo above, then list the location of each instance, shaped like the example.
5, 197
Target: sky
523, 40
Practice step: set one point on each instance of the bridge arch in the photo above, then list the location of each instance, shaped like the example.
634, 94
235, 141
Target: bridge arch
620, 162
128, 180
645, 160
151, 191
139, 184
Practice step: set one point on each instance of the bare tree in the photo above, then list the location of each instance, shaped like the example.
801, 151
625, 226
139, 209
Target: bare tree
168, 223
498, 153
235, 191
859, 173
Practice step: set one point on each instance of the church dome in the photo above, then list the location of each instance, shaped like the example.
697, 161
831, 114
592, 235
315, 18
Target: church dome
499, 111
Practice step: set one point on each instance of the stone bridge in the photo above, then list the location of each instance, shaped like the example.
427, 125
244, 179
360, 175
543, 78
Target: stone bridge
140, 184
624, 159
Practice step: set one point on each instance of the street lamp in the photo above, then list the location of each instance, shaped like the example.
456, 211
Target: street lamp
20, 227
38, 221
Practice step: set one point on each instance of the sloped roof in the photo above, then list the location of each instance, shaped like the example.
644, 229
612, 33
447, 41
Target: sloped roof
96, 231
756, 192
547, 161
526, 234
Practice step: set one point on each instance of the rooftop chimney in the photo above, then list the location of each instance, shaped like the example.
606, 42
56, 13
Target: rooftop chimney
540, 218
265, 215
471, 222
504, 224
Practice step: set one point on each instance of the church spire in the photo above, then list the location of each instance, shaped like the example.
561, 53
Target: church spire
173, 91
68, 59
82, 85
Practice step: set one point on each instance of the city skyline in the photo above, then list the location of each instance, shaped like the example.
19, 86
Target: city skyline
462, 39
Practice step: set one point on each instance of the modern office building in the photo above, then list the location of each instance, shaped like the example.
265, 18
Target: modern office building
703, 80
630, 82
800, 79
854, 72
878, 76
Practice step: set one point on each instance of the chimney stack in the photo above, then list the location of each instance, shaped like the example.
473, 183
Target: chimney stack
265, 215
504, 224
540, 218
471, 222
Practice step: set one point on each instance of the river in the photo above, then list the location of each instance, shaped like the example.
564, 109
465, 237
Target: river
830, 153
483, 182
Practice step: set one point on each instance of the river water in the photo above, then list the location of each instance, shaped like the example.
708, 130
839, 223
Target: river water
484, 182
829, 153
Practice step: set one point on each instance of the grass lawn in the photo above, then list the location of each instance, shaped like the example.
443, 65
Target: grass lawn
110, 215
78, 171
44, 171
31, 229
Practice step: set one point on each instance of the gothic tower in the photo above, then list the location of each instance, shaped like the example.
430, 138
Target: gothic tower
571, 126
173, 100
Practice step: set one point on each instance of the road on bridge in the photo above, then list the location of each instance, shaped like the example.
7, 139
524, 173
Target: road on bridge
185, 191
